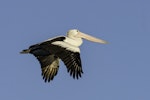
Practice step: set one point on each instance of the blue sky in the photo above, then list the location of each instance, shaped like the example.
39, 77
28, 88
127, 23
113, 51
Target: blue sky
116, 71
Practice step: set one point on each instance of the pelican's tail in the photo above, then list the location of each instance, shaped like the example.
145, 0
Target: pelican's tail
25, 51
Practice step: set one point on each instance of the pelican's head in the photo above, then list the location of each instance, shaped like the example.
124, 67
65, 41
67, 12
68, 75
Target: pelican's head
74, 33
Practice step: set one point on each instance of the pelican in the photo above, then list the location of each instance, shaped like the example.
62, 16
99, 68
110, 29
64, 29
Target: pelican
65, 48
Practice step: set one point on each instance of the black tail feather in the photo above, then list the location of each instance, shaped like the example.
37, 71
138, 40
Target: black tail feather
25, 51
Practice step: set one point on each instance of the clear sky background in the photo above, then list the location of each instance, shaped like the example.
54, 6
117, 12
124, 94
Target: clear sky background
119, 70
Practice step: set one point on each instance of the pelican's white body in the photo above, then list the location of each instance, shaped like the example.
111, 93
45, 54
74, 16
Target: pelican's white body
70, 44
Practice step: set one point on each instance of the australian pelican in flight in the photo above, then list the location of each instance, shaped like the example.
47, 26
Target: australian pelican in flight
65, 48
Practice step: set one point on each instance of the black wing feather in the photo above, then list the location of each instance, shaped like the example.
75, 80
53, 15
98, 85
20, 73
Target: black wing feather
71, 60
49, 66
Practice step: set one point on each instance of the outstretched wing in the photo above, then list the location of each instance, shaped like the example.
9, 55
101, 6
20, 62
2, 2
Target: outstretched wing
73, 63
68, 54
49, 66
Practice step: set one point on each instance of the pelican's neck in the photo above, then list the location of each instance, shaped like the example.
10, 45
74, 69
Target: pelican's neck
74, 41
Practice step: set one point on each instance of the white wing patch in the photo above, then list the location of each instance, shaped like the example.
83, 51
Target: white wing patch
67, 46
